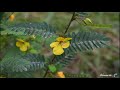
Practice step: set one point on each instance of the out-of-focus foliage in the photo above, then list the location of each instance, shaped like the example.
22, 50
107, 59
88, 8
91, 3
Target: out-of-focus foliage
84, 64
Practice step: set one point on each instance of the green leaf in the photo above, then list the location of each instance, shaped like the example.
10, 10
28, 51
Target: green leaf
80, 75
82, 14
52, 68
64, 60
16, 61
83, 41
33, 51
37, 29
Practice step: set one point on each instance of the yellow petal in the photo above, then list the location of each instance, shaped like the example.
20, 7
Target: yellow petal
12, 17
54, 44
65, 44
60, 39
66, 39
27, 44
58, 50
60, 74
23, 48
18, 44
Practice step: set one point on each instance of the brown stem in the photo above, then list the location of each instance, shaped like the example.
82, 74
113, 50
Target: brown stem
73, 18
46, 72
9, 16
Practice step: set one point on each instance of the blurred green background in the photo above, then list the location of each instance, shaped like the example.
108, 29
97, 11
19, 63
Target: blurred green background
91, 63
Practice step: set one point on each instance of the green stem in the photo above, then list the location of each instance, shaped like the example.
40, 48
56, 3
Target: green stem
9, 16
72, 19
46, 72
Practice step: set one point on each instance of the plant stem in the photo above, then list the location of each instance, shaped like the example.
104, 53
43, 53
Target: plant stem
9, 16
73, 18
46, 72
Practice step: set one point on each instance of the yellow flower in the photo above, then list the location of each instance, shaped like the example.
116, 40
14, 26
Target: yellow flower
59, 44
23, 45
12, 17
60, 74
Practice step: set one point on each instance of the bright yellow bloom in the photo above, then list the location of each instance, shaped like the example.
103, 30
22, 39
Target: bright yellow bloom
60, 74
23, 45
60, 43
12, 17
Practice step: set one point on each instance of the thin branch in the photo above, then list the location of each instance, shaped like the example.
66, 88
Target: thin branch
73, 18
46, 72
9, 16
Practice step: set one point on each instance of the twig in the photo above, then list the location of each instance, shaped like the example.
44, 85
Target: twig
46, 72
73, 18
9, 16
